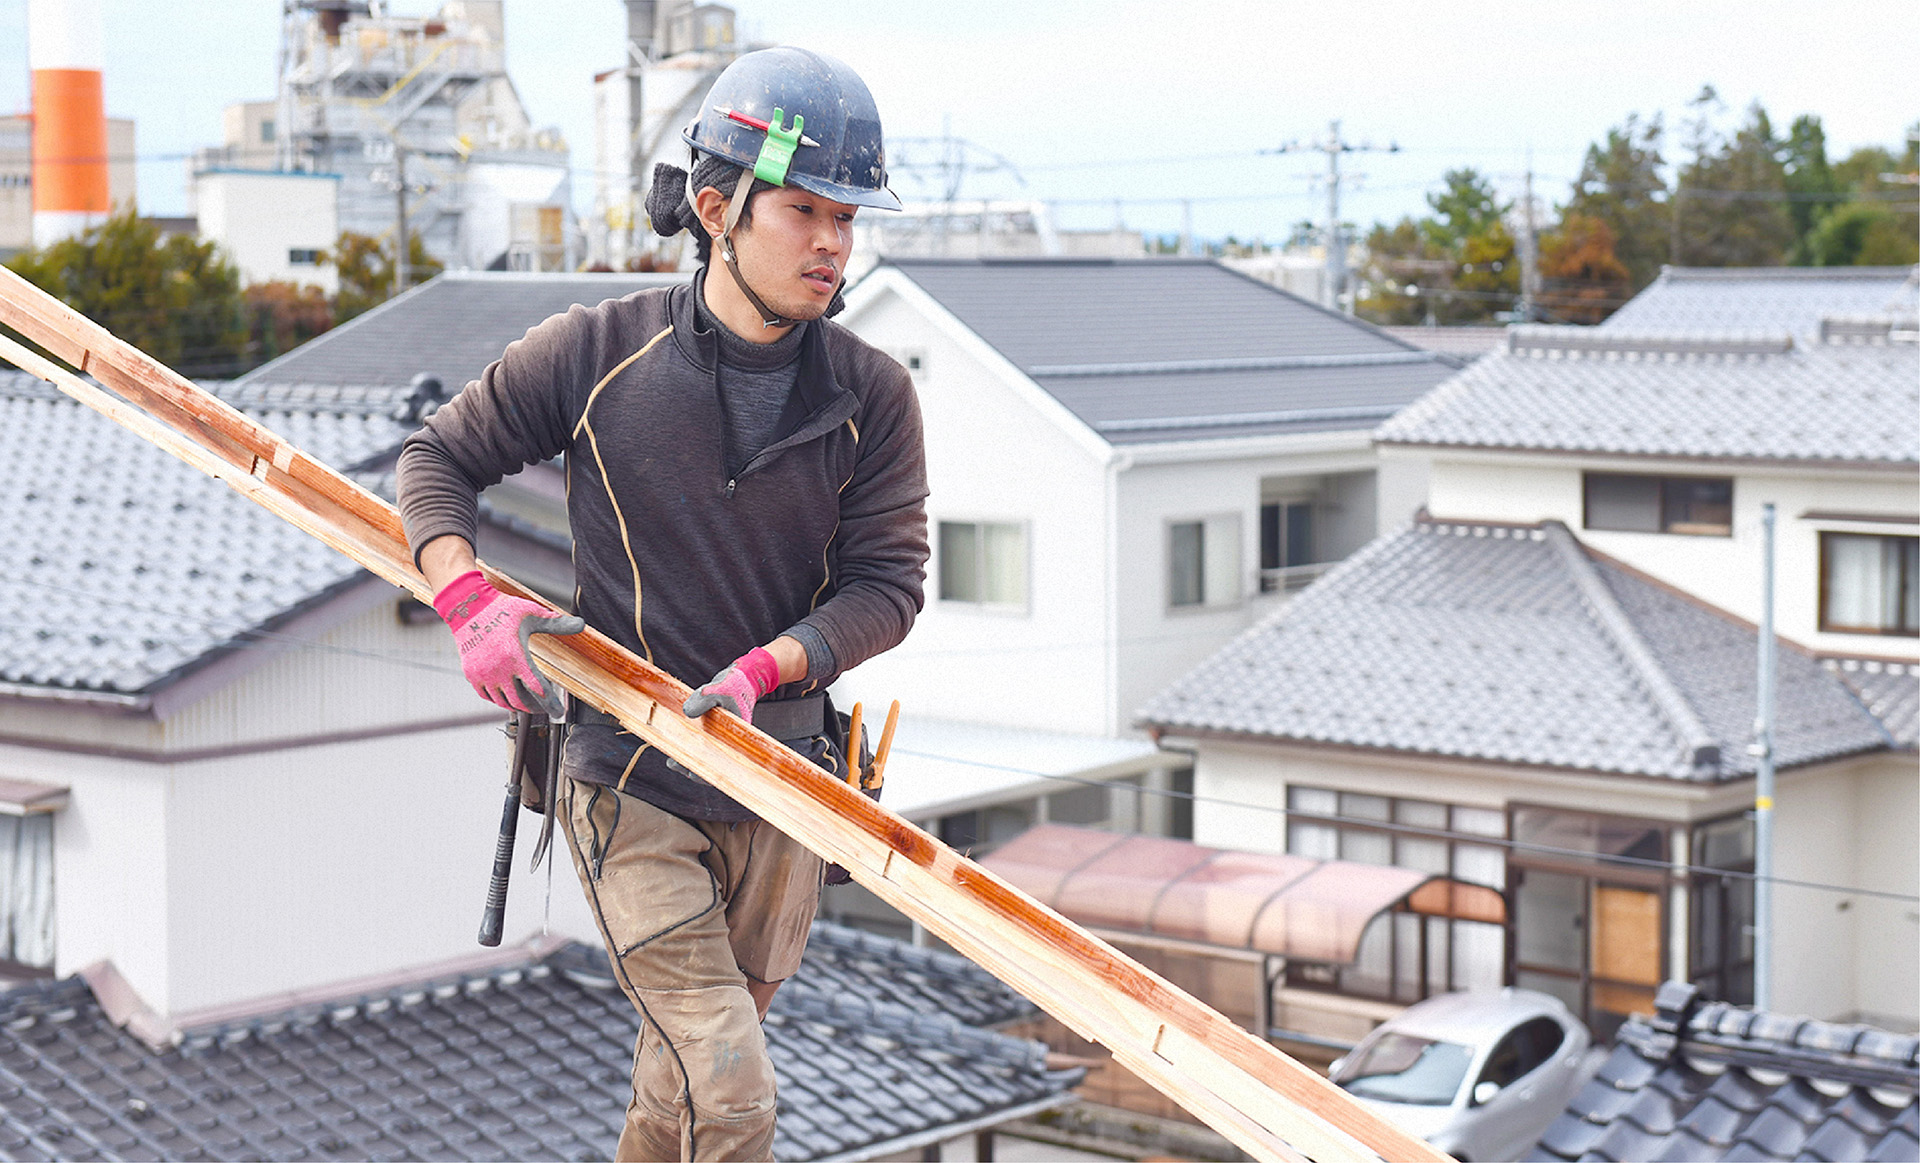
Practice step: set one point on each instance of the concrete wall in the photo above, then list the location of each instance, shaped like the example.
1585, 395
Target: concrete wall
259, 218
1722, 570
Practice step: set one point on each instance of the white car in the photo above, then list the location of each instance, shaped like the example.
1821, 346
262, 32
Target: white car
1478, 1075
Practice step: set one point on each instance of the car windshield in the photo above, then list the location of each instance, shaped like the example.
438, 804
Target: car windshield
1403, 1068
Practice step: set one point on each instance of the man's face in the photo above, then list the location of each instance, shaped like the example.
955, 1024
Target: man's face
795, 250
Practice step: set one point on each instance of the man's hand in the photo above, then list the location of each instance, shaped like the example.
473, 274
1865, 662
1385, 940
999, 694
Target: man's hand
492, 630
738, 687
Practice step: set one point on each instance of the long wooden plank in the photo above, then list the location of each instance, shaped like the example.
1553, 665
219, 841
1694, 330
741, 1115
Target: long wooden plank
1269, 1105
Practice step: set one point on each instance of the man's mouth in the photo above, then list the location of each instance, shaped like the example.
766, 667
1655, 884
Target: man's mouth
825, 276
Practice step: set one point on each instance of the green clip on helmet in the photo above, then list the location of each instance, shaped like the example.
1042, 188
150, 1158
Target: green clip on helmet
800, 119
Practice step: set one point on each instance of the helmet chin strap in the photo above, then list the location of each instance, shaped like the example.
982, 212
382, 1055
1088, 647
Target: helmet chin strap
743, 189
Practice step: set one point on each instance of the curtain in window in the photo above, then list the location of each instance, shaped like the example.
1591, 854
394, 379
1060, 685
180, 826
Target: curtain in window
1185, 575
1870, 582
26, 889
1005, 551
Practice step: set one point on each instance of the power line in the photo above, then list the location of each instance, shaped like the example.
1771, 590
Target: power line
1414, 830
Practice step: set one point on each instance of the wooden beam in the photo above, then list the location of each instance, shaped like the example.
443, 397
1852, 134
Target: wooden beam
1271, 1106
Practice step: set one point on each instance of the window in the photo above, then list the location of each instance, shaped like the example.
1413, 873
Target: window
26, 889
1203, 562
1324, 824
1870, 584
301, 257
266, 130
984, 563
1702, 506
1721, 912
1286, 540
1525, 1049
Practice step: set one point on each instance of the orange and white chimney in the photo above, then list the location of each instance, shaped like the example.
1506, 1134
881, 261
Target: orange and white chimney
65, 46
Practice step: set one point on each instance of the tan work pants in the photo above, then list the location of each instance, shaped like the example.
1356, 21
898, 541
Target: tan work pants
690, 910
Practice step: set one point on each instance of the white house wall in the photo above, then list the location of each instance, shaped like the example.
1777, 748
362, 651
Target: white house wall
216, 879
296, 869
1724, 572
993, 456
1848, 955
1157, 642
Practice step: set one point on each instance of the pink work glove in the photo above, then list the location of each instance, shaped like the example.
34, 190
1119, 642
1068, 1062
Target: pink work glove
492, 630
738, 687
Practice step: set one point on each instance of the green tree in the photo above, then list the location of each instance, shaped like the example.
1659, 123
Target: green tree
174, 297
281, 316
1730, 203
1620, 185
1467, 206
1403, 276
1809, 180
1863, 234
366, 271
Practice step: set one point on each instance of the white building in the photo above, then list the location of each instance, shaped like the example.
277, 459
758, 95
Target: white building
1130, 462
383, 101
1547, 685
275, 226
241, 766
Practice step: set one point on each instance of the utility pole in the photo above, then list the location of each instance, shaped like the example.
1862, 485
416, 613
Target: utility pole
400, 271
1762, 749
1529, 252
1333, 147
640, 28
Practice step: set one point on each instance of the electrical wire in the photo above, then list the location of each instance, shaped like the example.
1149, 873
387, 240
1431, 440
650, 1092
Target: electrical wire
1466, 838
262, 638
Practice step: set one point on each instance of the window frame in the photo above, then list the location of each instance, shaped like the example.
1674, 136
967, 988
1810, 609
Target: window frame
1661, 483
1024, 606
1826, 624
1340, 979
1236, 596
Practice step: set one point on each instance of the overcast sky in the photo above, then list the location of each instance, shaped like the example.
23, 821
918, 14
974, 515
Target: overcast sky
1185, 94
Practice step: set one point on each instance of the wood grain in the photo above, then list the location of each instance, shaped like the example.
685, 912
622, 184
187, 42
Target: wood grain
1266, 1103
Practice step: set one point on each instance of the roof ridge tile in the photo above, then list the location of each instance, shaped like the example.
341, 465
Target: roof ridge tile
1703, 750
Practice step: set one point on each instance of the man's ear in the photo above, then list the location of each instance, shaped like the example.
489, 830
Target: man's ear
711, 205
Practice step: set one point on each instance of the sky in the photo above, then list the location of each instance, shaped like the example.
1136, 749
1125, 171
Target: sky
1146, 113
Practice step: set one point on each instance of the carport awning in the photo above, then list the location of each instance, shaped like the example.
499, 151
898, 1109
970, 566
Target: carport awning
1289, 906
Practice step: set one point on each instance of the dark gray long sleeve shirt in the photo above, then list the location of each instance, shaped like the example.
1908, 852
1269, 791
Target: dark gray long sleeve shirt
682, 558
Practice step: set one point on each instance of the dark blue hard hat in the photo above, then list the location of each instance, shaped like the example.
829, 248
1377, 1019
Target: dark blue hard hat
750, 116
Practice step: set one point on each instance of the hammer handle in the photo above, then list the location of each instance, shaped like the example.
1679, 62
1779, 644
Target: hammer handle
494, 919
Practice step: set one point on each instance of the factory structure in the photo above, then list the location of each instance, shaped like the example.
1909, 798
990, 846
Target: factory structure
385, 125
396, 126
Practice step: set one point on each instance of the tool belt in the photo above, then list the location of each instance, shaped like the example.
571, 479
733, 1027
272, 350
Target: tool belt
784, 719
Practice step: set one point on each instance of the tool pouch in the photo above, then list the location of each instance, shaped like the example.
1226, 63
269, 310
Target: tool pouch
863, 765
535, 768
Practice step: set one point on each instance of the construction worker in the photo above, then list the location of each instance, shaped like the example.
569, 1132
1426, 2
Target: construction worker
746, 485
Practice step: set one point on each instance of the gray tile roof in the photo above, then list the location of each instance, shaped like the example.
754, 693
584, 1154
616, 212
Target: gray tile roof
1711, 1082
1891, 690
523, 1063
122, 567
1792, 300
450, 327
1515, 645
1179, 349
1608, 391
